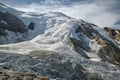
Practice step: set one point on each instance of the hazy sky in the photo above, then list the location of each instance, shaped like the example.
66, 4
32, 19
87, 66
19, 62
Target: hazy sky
100, 12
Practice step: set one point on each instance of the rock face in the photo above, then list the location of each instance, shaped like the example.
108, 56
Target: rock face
11, 23
110, 53
31, 26
12, 28
108, 50
114, 33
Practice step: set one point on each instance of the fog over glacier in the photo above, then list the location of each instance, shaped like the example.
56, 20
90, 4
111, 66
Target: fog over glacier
103, 12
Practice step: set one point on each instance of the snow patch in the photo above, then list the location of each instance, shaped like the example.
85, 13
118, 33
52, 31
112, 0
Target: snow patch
94, 45
4, 22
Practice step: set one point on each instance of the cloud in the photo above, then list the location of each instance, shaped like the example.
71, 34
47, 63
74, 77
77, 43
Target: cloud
102, 12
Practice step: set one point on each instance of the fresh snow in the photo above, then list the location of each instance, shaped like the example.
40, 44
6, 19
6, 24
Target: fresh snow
94, 45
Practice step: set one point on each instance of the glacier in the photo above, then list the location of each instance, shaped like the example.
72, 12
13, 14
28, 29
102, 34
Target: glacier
60, 47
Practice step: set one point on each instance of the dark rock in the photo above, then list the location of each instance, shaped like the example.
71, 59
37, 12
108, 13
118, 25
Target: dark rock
113, 33
31, 26
110, 54
12, 23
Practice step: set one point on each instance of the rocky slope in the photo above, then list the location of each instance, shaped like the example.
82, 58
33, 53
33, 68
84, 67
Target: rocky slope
6, 74
12, 28
62, 48
113, 33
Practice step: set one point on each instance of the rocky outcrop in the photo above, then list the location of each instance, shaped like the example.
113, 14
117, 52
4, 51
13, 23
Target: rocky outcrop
108, 50
31, 26
11, 23
78, 46
12, 29
110, 54
114, 33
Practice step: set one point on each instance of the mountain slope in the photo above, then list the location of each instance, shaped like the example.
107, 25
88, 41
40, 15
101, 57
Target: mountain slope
62, 47
11, 27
